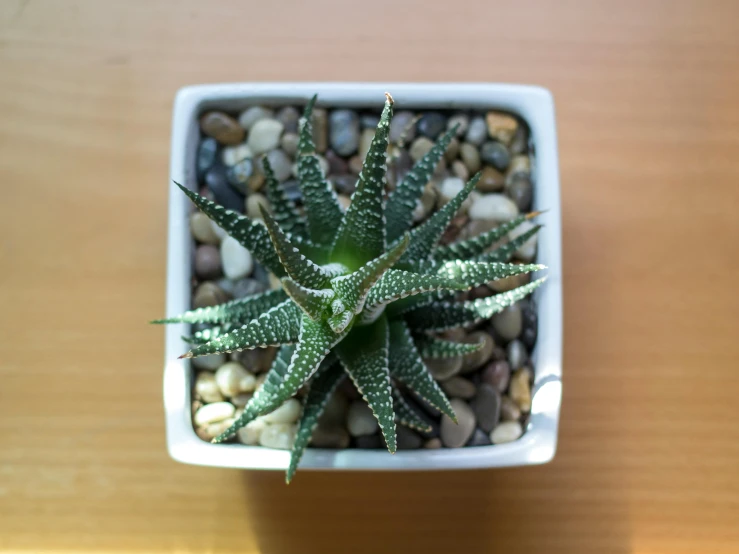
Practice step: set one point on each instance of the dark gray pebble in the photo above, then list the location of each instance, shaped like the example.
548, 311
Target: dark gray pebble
496, 154
223, 193
431, 125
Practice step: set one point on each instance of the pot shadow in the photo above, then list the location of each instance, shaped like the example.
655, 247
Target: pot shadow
559, 507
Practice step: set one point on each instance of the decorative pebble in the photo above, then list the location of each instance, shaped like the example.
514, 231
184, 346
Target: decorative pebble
217, 182
479, 438
452, 150
527, 251
402, 123
520, 142
501, 126
530, 319
333, 436
345, 184
336, 164
344, 201
521, 191
208, 294
496, 154
470, 157
206, 387
344, 131
242, 399
370, 442
264, 136
450, 187
407, 439
336, 409
455, 435
280, 162
206, 157
278, 435
211, 413
493, 207
520, 390
460, 170
491, 180
498, 374
240, 174
459, 387
252, 114
509, 410
365, 140
477, 132
202, 230
289, 144
209, 362
232, 155
360, 420
229, 377
247, 287
250, 433
433, 444
222, 127
209, 432
520, 166
320, 129
420, 148
431, 125
207, 262
355, 164
460, 119
508, 323
289, 412
444, 368
486, 406
476, 360
289, 116
426, 203
253, 201
293, 191
510, 283
507, 431
516, 353
237, 260
369, 121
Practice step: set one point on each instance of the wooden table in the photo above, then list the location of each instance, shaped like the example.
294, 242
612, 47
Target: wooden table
648, 111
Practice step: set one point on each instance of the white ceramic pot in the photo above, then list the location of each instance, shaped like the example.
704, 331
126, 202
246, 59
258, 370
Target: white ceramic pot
536, 106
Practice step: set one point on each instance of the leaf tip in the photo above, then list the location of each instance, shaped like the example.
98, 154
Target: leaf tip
185, 355
389, 98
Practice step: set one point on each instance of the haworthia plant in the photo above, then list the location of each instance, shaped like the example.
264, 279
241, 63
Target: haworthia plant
363, 293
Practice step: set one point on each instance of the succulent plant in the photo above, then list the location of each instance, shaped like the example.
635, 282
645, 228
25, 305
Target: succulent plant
363, 293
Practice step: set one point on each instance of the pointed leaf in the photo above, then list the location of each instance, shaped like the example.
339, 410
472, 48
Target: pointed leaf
402, 201
251, 234
240, 310
300, 268
365, 358
313, 302
277, 326
506, 251
434, 347
207, 335
321, 203
353, 288
425, 236
361, 235
285, 213
314, 403
407, 416
474, 246
407, 367
468, 274
440, 316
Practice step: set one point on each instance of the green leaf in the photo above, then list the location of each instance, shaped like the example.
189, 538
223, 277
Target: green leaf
300, 268
440, 316
434, 347
353, 288
468, 274
405, 415
264, 396
321, 203
251, 234
279, 325
207, 335
361, 235
313, 302
396, 284
474, 246
402, 201
285, 213
365, 358
506, 251
425, 236
407, 367
314, 403
241, 310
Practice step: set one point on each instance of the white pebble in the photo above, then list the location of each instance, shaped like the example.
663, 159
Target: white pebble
248, 383
493, 207
242, 399
207, 388
264, 136
450, 187
508, 431
219, 232
250, 433
202, 229
527, 251
251, 115
280, 163
229, 376
289, 412
211, 361
211, 413
278, 435
236, 260
234, 154
360, 420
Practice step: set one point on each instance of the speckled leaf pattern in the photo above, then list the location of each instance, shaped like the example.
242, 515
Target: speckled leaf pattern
361, 235
321, 203
407, 367
252, 235
407, 416
277, 326
506, 251
284, 211
440, 316
207, 335
314, 252
313, 302
425, 236
321, 388
300, 268
264, 395
469, 274
242, 309
402, 201
365, 358
474, 246
353, 288
396, 284
435, 348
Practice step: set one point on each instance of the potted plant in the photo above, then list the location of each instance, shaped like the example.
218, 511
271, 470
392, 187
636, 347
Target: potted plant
372, 273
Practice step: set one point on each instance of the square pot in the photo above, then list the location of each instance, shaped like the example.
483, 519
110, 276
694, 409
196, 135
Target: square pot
533, 104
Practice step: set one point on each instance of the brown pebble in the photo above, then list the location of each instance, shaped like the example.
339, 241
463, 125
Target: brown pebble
509, 411
452, 150
497, 374
222, 127
208, 294
520, 389
460, 170
501, 126
433, 444
207, 262
491, 180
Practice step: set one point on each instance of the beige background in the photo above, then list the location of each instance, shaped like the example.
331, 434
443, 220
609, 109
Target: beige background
648, 111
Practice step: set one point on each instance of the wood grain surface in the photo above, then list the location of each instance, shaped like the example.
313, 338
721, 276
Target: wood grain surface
648, 113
